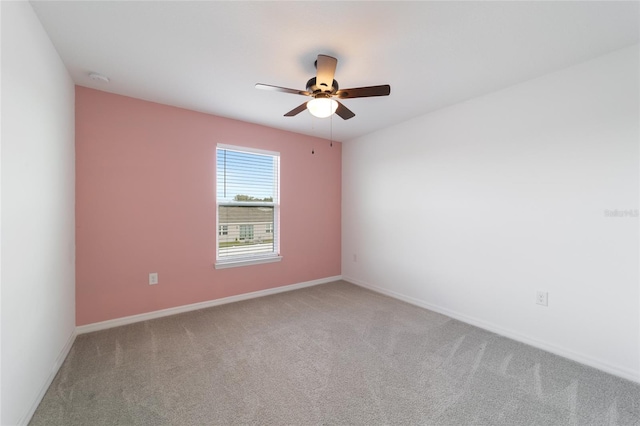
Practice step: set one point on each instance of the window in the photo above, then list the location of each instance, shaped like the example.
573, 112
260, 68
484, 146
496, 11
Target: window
246, 232
247, 198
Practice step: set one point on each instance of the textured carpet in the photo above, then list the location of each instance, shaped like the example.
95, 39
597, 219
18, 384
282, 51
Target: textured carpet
329, 354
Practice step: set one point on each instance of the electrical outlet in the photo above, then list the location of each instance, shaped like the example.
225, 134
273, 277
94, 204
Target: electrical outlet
542, 298
153, 278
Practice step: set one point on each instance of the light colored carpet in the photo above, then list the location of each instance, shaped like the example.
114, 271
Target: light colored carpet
332, 354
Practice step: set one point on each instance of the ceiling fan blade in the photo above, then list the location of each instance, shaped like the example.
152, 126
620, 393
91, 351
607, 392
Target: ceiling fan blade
364, 92
344, 112
297, 110
281, 89
326, 69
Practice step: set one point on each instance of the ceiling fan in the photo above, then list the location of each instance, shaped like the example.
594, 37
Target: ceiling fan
323, 89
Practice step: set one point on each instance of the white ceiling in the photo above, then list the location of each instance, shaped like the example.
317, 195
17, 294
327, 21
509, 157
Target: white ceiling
207, 56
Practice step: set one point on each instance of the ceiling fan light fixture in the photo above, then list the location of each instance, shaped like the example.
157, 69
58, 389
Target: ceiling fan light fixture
322, 107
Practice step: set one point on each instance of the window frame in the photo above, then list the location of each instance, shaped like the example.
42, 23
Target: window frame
251, 259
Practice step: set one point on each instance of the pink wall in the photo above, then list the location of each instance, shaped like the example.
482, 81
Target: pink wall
145, 202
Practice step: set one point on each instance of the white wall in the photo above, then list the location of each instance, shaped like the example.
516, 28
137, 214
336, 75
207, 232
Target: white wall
38, 235
469, 210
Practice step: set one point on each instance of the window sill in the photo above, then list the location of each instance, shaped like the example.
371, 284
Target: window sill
246, 262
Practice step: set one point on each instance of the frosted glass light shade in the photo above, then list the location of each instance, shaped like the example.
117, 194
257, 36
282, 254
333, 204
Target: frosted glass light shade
322, 107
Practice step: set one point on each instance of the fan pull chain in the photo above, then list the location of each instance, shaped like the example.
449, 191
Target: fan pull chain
313, 128
331, 130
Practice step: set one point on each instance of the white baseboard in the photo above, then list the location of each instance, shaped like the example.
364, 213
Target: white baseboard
623, 372
201, 305
45, 386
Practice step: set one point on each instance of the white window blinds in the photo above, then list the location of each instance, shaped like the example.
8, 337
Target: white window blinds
247, 196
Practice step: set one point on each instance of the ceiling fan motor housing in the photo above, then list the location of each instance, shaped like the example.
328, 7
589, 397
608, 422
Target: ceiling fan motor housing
312, 87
